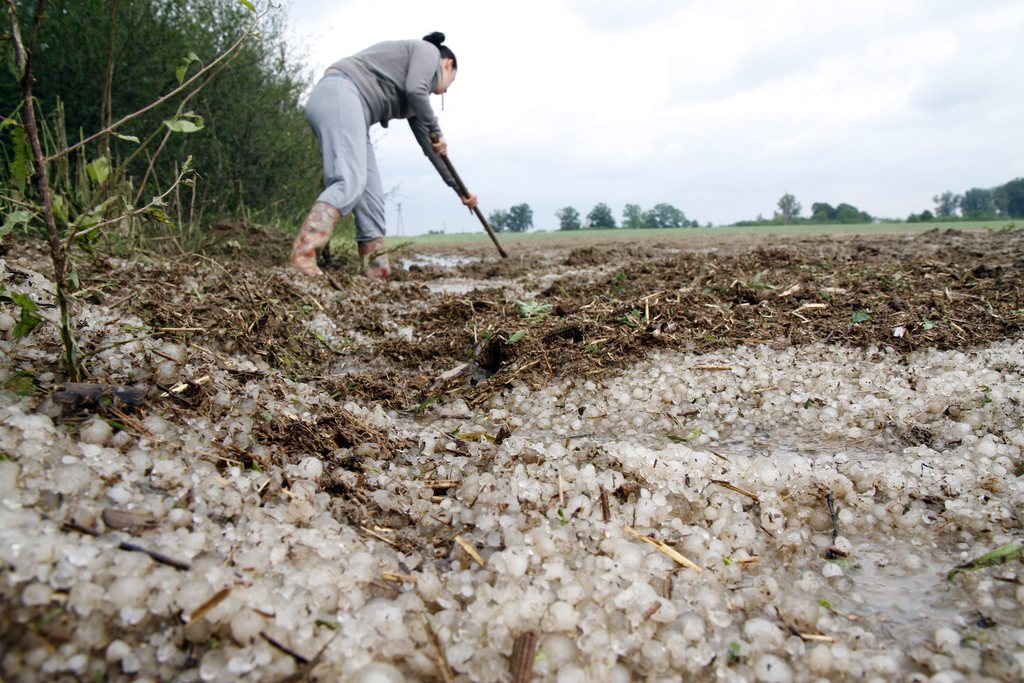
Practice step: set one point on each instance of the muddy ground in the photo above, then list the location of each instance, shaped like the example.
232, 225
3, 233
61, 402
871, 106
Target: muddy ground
600, 304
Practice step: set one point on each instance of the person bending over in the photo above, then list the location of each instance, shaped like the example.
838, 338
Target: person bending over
389, 80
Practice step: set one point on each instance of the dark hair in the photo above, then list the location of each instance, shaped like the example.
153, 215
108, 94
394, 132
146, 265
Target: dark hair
436, 38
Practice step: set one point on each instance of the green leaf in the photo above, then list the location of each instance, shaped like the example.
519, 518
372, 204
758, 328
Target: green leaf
188, 122
516, 336
533, 310
159, 214
22, 383
860, 317
843, 563
1000, 555
28, 320
25, 325
20, 168
182, 126
248, 5
51, 615
688, 437
420, 407
24, 302
60, 207
183, 67
14, 219
99, 170
634, 318
129, 138
757, 284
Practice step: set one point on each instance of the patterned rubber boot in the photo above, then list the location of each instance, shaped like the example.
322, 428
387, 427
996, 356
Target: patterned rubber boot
374, 262
316, 231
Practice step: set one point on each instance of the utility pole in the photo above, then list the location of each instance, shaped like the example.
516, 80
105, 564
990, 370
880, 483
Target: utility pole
399, 226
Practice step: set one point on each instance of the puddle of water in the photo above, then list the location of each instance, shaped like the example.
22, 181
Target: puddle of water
444, 261
807, 446
907, 604
463, 286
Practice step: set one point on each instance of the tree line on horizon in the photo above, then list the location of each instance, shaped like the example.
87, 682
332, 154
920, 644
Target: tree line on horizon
977, 203
1003, 201
519, 218
662, 215
789, 212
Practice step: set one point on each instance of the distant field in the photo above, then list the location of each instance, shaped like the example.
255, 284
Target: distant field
698, 233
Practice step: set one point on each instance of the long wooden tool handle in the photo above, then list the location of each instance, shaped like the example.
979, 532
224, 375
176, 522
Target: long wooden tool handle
461, 187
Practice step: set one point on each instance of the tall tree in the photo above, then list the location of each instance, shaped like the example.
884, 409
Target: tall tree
499, 219
568, 218
847, 213
520, 218
1009, 199
977, 203
600, 217
632, 216
946, 204
822, 212
789, 208
665, 216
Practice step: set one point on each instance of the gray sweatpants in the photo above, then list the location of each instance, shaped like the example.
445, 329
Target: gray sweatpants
340, 118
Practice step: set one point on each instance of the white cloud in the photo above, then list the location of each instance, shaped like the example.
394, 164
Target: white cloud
718, 108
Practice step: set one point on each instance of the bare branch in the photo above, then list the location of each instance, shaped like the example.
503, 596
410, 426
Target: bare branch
156, 201
19, 49
57, 253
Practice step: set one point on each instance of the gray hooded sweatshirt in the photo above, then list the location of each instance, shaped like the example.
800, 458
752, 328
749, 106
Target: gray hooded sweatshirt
396, 79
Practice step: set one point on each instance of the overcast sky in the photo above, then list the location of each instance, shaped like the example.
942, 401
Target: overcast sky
718, 108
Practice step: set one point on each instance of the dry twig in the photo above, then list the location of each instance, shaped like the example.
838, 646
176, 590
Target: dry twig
521, 665
666, 550
439, 658
735, 488
131, 547
470, 550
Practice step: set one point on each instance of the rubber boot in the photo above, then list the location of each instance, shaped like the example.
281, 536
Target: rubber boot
316, 231
374, 264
